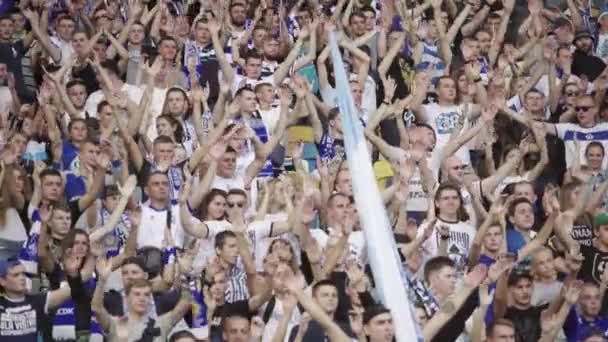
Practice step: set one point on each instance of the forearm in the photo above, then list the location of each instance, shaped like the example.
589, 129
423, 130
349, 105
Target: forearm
479, 17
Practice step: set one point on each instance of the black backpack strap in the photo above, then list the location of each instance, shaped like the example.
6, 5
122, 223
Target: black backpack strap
269, 308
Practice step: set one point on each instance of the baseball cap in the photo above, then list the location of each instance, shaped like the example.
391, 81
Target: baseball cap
6, 265
600, 220
582, 34
605, 13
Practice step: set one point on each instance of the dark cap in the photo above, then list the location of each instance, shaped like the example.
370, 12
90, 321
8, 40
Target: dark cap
582, 34
6, 265
373, 311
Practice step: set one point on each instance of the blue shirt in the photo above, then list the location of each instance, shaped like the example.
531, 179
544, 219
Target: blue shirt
575, 326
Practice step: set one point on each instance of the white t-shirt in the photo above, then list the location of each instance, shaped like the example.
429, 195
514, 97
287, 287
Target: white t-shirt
270, 118
6, 100
444, 119
133, 93
240, 81
263, 245
67, 50
458, 244
566, 132
356, 243
152, 228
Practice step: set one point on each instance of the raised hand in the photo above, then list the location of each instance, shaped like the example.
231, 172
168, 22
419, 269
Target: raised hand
104, 268
127, 188
71, 263
476, 276
46, 213
572, 291
485, 296
389, 88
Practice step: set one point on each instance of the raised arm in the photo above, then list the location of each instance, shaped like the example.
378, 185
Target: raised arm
227, 70
126, 191
103, 317
41, 35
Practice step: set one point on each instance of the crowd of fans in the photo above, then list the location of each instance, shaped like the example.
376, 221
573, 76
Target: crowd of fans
175, 170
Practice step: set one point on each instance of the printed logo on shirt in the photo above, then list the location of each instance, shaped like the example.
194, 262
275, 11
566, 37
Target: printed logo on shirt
446, 122
599, 265
18, 321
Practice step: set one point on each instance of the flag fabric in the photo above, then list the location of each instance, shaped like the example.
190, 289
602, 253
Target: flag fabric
382, 252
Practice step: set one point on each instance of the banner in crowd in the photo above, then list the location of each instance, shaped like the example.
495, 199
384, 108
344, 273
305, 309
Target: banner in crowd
381, 248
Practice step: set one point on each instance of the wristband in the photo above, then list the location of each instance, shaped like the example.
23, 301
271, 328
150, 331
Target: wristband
477, 79
115, 164
444, 237
386, 102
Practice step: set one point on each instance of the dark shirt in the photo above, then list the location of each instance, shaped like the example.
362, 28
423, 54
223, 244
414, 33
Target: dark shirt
587, 65
527, 322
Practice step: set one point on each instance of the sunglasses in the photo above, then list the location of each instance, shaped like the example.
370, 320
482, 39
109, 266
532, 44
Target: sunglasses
232, 205
582, 108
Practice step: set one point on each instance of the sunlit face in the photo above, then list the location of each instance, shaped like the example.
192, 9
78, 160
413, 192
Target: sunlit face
229, 252
78, 131
247, 101
357, 25
18, 144
236, 329
65, 29
19, 179
265, 94
238, 15
78, 95
595, 157
216, 208
168, 50
19, 21
446, 89
586, 111
259, 35
52, 187
227, 165
79, 42
139, 299
253, 68
61, 222
15, 280
163, 127
535, 101
525, 190
163, 152
219, 287
601, 234
380, 328
137, 34
502, 333
80, 248
344, 182
448, 202
88, 154
571, 93
105, 116
492, 241
455, 169
443, 281
130, 272
590, 300
236, 205
7, 29
370, 20
357, 92
523, 216
485, 41
202, 34
158, 187
543, 264
327, 298
521, 292
176, 103
282, 249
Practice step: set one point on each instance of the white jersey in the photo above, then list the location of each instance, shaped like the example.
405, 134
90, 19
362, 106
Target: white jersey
458, 244
444, 119
152, 229
568, 131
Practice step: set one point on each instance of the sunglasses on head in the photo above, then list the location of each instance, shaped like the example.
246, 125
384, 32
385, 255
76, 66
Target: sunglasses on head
232, 205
